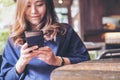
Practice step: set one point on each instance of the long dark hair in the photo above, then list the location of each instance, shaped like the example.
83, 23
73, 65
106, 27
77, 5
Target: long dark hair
20, 25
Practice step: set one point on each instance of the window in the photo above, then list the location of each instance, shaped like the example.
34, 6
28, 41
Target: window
7, 8
62, 14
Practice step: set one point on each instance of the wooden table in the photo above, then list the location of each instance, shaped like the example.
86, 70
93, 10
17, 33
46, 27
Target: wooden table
104, 69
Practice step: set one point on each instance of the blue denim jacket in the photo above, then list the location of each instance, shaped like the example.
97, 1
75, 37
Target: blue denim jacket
68, 45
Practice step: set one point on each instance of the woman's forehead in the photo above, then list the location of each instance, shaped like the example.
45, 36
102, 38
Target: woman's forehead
36, 0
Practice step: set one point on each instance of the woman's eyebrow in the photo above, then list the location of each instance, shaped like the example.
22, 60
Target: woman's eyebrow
39, 0
36, 1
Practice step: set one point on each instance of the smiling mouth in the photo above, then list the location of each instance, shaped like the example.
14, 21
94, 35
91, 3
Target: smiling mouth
34, 17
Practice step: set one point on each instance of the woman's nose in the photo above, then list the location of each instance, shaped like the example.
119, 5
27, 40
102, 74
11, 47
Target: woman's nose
33, 10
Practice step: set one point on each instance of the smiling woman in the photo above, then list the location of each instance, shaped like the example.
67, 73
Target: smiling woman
60, 43
35, 12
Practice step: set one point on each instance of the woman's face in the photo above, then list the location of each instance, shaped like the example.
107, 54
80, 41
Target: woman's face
35, 11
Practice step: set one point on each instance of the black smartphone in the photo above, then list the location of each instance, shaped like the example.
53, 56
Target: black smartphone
34, 38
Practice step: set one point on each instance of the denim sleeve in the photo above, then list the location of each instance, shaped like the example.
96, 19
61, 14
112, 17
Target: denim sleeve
74, 47
12, 75
77, 50
10, 56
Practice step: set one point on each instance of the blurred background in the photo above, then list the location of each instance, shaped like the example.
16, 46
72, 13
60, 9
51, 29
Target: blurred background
97, 22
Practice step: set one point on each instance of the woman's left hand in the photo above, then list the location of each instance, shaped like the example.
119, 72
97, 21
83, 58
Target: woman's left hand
46, 54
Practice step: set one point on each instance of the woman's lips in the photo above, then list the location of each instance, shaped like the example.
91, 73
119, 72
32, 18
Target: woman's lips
34, 17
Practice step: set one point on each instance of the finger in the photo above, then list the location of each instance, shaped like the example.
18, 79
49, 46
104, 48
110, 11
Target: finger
30, 49
28, 57
41, 56
46, 48
24, 46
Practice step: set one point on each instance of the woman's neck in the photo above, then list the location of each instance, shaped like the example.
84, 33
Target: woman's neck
34, 27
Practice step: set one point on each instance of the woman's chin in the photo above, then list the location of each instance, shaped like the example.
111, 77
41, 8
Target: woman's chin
35, 23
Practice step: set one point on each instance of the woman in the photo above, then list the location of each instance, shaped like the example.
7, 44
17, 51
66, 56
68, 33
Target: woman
62, 45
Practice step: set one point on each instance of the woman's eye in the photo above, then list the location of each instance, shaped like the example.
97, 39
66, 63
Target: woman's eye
39, 4
28, 5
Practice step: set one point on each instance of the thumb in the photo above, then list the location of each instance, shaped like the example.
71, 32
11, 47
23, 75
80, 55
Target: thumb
25, 46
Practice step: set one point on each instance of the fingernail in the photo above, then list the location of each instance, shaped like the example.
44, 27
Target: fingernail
47, 47
36, 46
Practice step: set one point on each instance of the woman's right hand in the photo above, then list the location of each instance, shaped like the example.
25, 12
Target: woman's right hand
26, 55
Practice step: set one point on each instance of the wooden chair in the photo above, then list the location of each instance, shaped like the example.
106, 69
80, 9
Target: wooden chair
110, 53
